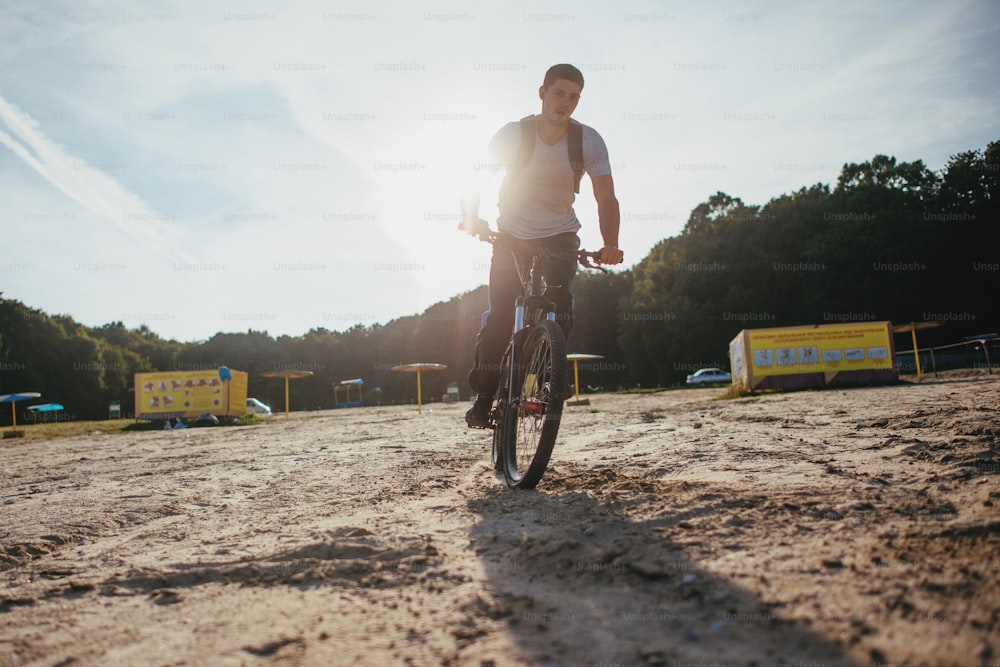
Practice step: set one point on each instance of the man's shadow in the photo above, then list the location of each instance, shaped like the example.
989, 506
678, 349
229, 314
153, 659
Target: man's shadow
577, 581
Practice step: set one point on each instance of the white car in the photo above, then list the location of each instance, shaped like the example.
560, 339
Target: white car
709, 376
257, 407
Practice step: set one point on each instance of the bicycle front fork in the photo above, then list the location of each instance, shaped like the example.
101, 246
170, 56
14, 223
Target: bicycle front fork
520, 307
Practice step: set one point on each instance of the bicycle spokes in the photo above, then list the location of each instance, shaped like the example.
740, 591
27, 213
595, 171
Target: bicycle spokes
533, 375
536, 404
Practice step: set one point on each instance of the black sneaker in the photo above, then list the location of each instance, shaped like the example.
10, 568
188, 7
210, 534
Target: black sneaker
478, 415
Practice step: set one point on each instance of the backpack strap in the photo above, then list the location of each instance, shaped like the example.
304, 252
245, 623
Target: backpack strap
574, 140
527, 142
524, 151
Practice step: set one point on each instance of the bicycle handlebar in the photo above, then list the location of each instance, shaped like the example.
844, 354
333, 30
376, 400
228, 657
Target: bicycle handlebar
584, 257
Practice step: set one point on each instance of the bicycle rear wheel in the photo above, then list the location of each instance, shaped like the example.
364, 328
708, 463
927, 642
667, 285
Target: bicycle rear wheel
531, 422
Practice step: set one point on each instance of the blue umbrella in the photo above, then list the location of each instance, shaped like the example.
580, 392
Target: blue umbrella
226, 376
12, 398
45, 407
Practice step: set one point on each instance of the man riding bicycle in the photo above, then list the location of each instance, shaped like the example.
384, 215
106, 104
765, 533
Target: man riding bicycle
544, 156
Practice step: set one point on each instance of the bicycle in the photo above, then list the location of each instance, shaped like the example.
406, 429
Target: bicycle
528, 403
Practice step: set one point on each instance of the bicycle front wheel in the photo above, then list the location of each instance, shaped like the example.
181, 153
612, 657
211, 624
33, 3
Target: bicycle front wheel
499, 416
532, 418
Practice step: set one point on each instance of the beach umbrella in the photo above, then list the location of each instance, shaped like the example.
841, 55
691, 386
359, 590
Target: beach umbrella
45, 407
418, 368
288, 375
912, 328
577, 357
347, 384
13, 398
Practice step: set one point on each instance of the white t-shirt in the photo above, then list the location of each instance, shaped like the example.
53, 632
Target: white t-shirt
541, 202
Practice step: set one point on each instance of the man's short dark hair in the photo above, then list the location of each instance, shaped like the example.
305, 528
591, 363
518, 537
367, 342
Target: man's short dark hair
563, 71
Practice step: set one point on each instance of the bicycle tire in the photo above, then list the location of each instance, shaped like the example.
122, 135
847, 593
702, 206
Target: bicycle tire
499, 413
531, 421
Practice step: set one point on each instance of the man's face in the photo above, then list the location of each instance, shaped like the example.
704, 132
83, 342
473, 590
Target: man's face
559, 101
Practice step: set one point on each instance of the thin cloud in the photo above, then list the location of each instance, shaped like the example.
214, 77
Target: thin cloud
90, 187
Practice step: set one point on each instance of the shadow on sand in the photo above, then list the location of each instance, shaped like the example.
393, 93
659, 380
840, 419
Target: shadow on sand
579, 582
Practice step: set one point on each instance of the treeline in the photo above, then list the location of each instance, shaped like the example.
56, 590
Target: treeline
85, 368
890, 241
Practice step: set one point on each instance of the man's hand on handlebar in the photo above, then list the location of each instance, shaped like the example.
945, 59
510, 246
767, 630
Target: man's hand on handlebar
476, 227
611, 255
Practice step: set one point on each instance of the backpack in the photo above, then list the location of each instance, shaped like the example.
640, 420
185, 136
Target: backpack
574, 145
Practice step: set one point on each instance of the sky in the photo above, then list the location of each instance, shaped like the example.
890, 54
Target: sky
201, 167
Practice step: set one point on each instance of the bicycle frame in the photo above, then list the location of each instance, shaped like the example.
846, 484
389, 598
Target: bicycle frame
532, 297
534, 331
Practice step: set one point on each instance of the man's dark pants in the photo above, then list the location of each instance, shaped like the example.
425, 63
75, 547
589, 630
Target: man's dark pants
505, 287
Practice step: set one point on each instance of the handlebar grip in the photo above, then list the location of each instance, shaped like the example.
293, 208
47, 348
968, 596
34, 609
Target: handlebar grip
584, 257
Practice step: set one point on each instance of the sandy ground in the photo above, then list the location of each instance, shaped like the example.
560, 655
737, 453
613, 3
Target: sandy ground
839, 527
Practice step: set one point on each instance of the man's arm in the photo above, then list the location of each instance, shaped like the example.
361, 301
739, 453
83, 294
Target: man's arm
609, 216
484, 170
469, 202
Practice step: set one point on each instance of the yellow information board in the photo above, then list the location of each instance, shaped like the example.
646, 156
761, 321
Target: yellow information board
189, 394
827, 349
